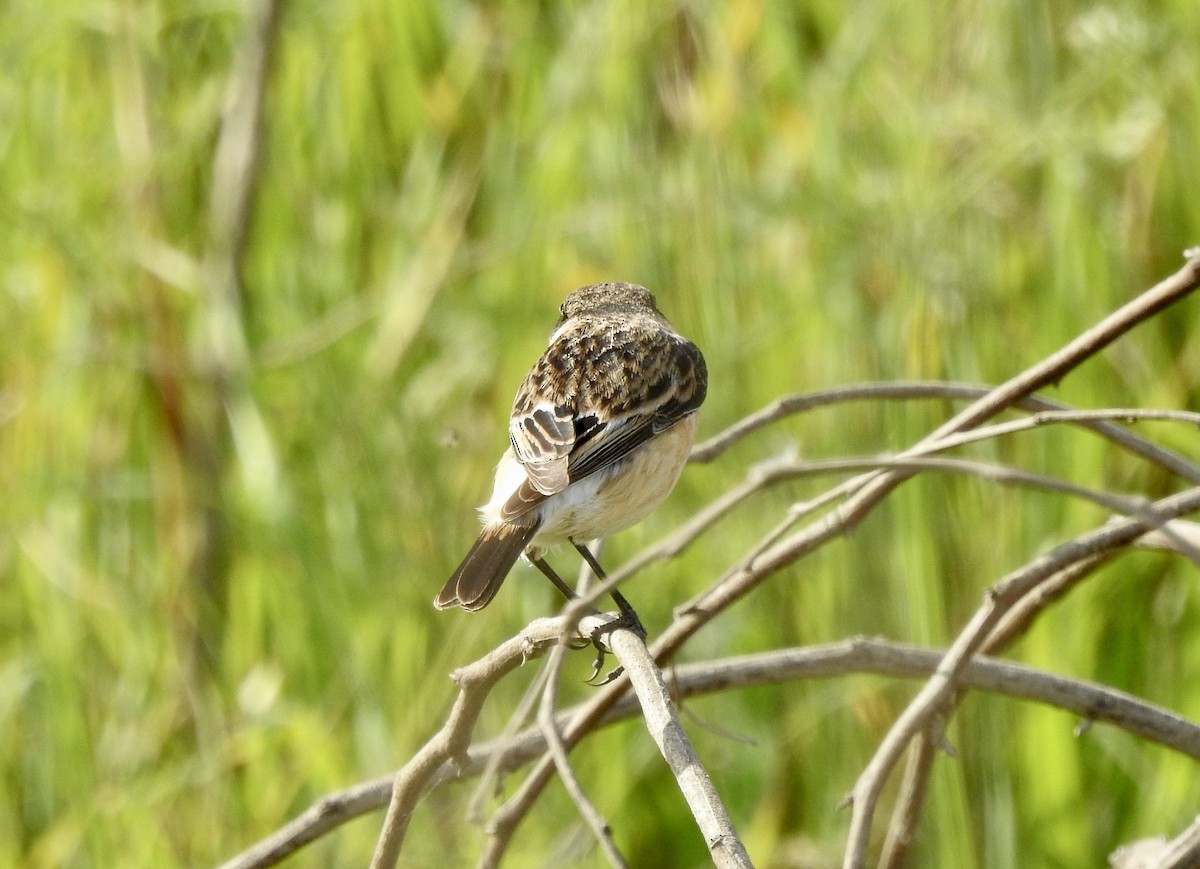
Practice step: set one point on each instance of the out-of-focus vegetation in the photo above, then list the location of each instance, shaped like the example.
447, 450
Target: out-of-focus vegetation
216, 595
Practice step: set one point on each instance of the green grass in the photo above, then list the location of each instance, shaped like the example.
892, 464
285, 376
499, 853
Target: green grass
819, 194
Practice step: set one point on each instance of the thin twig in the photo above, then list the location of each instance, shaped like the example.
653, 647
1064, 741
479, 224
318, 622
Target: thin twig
662, 721
489, 777
1050, 370
999, 600
548, 724
1020, 618
1178, 536
532, 697
907, 390
1183, 852
1087, 700
922, 753
475, 682
1075, 417
768, 473
913, 786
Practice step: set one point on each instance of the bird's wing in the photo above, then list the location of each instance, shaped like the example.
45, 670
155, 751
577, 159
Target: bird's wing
542, 441
567, 426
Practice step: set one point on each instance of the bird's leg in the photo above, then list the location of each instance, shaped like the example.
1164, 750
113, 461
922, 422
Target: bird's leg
552, 575
557, 581
628, 619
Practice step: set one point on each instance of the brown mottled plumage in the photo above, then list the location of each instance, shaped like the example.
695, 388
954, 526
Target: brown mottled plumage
600, 430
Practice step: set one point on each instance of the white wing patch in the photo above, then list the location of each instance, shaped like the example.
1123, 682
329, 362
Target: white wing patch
542, 440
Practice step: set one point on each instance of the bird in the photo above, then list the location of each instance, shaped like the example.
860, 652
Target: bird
599, 432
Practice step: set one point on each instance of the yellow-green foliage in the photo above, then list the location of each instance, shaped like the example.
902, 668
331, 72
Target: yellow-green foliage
820, 193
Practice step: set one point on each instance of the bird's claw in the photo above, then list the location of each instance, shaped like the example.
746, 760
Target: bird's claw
627, 620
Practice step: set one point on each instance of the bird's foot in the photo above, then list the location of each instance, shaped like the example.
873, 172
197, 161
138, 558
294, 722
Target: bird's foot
627, 620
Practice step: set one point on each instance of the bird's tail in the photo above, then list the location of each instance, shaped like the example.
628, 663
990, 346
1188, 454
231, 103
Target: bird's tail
478, 578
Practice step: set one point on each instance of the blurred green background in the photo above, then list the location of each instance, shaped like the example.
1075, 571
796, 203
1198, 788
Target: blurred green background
216, 591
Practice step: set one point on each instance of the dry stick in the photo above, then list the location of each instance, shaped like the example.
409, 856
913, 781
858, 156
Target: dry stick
913, 786
475, 682
1188, 532
1077, 417
330, 812
906, 813
545, 689
768, 473
1183, 852
745, 576
725, 848
941, 686
1177, 536
1020, 618
1014, 624
1050, 370
777, 471
894, 660
860, 655
665, 728
904, 390
992, 473
548, 725
922, 753
326, 814
488, 777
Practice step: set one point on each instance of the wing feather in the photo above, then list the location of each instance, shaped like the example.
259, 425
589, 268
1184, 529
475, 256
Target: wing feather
568, 424
542, 441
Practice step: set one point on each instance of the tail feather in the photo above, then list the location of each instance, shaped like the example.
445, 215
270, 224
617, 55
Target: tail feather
481, 573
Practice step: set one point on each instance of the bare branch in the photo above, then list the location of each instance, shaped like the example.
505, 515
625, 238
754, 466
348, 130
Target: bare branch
1076, 417
902, 390
903, 826
667, 731
449, 745
548, 724
323, 816
1020, 618
1170, 538
861, 655
944, 682
769, 473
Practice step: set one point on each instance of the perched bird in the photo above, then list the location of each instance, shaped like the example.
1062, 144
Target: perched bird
600, 431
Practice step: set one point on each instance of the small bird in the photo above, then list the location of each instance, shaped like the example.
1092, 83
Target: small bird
600, 431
